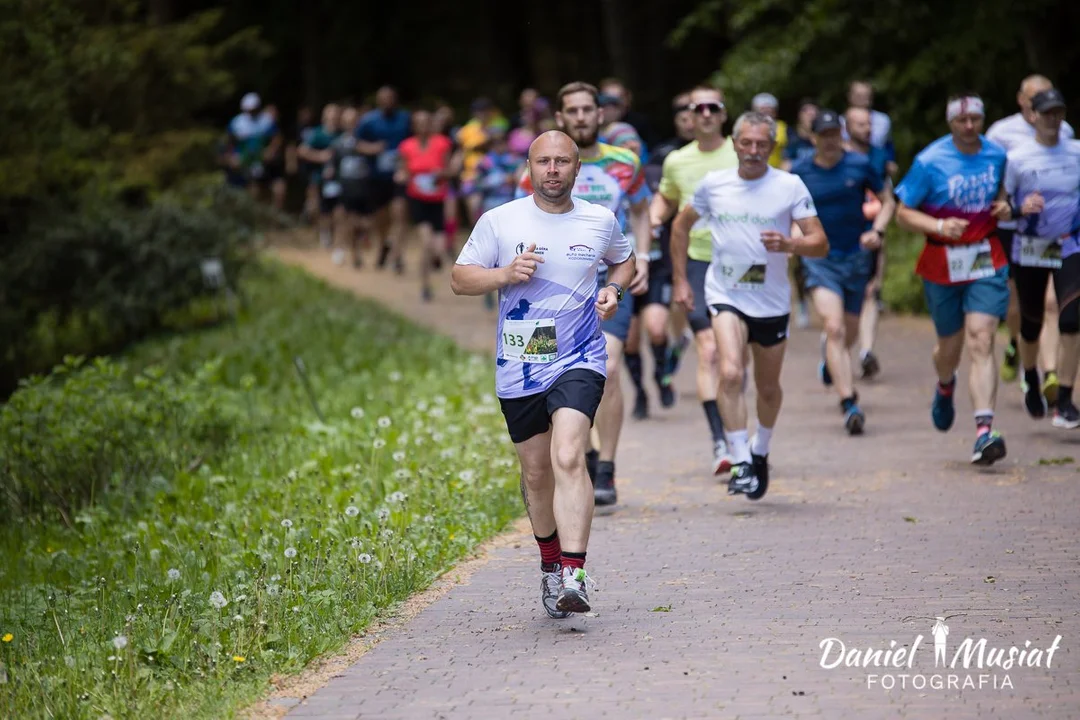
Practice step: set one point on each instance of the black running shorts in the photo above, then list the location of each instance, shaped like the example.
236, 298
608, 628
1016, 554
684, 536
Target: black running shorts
529, 416
765, 332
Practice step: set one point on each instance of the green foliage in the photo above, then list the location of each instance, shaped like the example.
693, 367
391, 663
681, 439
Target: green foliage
902, 289
306, 529
916, 54
87, 282
89, 88
68, 438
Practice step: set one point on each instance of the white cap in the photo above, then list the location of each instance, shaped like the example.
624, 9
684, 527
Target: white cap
764, 100
250, 102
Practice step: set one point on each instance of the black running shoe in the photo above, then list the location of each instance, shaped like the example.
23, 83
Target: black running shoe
1033, 400
743, 480
667, 393
760, 465
870, 366
591, 459
604, 487
641, 406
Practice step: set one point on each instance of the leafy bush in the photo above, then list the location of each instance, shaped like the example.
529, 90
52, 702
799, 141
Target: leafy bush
91, 281
277, 548
902, 289
66, 439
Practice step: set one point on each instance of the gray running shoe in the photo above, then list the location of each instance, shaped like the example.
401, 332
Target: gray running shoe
550, 587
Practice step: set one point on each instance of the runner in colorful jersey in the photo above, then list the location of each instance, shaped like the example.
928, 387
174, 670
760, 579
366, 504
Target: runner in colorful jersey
1011, 132
683, 170
749, 212
1042, 178
542, 254
608, 176
949, 196
838, 181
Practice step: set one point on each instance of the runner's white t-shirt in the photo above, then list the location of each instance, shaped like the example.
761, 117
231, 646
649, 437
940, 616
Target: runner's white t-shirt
547, 324
1013, 131
743, 273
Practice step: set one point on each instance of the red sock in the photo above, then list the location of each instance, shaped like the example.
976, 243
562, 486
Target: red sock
550, 552
573, 560
451, 232
946, 390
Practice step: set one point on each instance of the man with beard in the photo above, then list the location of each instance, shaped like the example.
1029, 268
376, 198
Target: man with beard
683, 170
611, 177
542, 254
749, 213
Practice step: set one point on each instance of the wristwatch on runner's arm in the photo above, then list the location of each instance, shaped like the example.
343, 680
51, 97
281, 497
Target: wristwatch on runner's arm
618, 290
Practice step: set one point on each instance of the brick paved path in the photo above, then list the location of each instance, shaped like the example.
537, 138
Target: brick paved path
855, 535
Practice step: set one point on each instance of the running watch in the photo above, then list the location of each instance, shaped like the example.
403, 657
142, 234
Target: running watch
618, 290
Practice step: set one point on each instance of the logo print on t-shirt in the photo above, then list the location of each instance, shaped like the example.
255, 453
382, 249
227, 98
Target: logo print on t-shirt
580, 252
520, 248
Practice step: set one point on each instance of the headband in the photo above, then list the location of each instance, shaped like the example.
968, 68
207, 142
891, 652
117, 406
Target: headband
964, 106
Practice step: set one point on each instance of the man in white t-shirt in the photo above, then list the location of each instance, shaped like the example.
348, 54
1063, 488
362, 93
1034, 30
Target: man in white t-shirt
750, 211
542, 254
1010, 133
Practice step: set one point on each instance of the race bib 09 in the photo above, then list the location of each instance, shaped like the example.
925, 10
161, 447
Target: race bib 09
531, 341
969, 262
1039, 252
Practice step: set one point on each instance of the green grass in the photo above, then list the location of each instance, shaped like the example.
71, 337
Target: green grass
902, 289
307, 529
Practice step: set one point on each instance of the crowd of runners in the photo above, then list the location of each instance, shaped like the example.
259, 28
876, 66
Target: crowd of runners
601, 243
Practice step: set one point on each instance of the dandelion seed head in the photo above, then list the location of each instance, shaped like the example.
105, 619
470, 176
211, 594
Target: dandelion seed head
466, 476
356, 544
422, 405
363, 558
437, 437
357, 413
290, 552
379, 444
382, 514
120, 642
399, 456
401, 474
238, 618
173, 574
440, 399
352, 511
286, 523
218, 600
384, 422
272, 590
394, 376
397, 497
155, 555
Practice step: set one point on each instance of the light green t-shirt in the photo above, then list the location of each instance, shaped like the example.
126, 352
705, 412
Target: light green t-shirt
683, 170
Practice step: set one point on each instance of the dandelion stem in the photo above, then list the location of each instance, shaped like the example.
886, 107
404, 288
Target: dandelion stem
58, 630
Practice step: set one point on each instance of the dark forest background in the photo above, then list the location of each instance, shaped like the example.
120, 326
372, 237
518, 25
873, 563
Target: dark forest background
112, 110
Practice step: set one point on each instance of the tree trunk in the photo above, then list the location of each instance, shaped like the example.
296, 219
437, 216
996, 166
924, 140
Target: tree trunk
617, 40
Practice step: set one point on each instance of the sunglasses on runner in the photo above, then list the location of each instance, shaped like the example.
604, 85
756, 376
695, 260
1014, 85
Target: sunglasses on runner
680, 108
700, 108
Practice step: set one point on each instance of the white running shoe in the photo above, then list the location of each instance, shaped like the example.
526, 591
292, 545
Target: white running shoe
722, 459
574, 596
550, 587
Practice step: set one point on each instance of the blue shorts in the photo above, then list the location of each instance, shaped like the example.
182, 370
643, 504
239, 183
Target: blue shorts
845, 275
619, 324
950, 303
